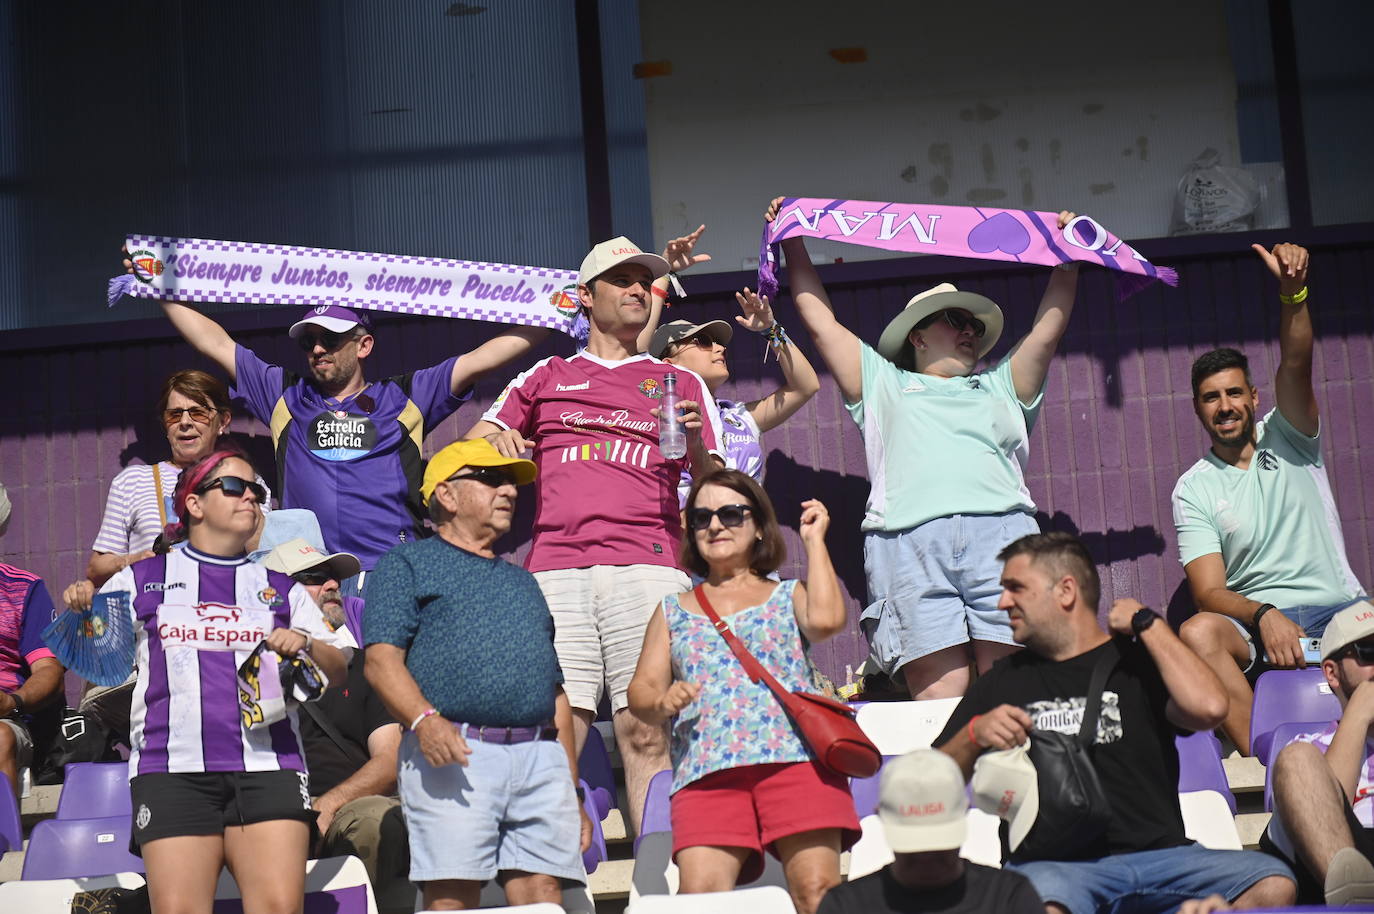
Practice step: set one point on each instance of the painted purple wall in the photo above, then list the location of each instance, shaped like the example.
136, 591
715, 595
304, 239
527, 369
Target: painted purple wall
1115, 433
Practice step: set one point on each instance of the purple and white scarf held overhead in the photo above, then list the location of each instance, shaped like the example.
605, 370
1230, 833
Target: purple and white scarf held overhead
1022, 236
194, 269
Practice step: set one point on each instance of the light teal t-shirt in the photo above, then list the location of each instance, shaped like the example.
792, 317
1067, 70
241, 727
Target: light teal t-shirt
1274, 523
941, 446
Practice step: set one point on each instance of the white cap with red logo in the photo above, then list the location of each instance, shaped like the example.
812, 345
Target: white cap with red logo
613, 253
922, 804
1006, 785
1354, 623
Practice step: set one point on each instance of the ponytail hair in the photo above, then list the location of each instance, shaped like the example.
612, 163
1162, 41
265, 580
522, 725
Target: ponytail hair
189, 480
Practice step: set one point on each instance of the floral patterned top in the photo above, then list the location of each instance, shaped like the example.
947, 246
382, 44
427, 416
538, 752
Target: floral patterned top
735, 721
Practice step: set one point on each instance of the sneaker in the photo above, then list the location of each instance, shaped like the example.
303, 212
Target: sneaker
1349, 878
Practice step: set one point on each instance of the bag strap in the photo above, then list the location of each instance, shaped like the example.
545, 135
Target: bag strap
1087, 732
324, 723
747, 660
157, 487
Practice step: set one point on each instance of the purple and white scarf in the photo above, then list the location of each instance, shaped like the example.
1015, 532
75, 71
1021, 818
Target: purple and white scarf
195, 269
1018, 235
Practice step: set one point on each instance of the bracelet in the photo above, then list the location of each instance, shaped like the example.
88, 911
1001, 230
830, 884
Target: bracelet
427, 712
1297, 298
18, 702
776, 338
971, 737
1259, 614
309, 641
677, 286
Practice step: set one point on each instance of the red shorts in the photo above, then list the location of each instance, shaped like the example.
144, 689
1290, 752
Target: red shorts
754, 805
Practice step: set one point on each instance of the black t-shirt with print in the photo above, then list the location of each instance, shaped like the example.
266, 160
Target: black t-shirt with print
1134, 753
981, 890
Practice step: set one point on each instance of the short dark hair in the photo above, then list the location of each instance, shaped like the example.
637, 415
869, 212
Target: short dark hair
195, 385
1060, 554
1209, 363
770, 551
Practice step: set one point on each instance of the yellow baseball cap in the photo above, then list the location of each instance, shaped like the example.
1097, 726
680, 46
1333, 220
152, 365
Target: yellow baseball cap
477, 452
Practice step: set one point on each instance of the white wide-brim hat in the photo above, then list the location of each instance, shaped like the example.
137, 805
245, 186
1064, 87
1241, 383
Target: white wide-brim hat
930, 301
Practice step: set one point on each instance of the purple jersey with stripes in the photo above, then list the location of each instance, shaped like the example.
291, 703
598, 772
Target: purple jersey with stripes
355, 462
197, 617
25, 610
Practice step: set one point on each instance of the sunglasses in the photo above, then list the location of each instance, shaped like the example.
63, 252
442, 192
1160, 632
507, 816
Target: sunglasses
487, 476
701, 341
234, 487
326, 338
961, 322
198, 414
1362, 651
730, 516
312, 578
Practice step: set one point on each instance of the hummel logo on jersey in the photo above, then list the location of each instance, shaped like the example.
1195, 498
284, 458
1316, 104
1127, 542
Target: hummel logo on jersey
585, 385
1268, 461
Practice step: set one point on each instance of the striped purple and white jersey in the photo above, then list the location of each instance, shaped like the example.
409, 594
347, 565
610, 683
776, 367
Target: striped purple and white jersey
197, 617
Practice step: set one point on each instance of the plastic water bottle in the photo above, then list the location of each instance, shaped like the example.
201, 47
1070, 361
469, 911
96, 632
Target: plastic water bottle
672, 438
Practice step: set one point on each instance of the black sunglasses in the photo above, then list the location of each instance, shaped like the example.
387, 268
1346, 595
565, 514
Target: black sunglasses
326, 338
312, 578
487, 476
700, 340
1362, 651
234, 487
730, 516
960, 321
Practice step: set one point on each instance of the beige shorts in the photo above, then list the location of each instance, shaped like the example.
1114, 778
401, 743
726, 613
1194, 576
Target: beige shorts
599, 616
23, 742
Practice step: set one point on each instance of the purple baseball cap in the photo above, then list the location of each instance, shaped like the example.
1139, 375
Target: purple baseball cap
334, 318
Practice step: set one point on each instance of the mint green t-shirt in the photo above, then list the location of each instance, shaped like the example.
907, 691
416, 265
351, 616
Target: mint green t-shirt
941, 446
1274, 523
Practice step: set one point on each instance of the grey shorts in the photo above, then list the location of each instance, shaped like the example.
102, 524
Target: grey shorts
23, 742
937, 585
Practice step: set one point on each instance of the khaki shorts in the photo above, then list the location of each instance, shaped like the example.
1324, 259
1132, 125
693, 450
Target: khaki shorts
23, 742
599, 616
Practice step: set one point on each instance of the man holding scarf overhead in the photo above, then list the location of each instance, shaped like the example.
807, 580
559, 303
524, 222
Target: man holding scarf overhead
947, 449
347, 449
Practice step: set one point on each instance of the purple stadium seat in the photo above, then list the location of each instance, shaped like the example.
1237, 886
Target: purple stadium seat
865, 791
11, 830
1284, 734
1200, 768
597, 852
657, 813
594, 766
71, 848
95, 790
1288, 695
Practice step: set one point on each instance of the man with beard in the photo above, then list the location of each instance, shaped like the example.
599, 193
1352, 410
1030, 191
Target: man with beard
1257, 525
350, 741
347, 449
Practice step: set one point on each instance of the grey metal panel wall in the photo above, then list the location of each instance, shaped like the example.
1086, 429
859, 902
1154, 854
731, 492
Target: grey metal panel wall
391, 127
1115, 432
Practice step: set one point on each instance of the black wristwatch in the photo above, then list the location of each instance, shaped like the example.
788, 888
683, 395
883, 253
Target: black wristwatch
1143, 619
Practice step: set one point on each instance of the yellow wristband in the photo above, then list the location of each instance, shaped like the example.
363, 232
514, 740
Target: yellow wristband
1297, 298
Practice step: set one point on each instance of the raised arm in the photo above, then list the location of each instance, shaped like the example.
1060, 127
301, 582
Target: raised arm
1031, 356
495, 352
801, 381
679, 255
1197, 699
205, 335
1293, 381
838, 346
819, 606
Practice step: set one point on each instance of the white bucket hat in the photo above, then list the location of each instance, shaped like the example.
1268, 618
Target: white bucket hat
924, 304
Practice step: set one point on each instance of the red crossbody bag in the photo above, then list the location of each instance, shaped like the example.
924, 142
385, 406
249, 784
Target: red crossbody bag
827, 726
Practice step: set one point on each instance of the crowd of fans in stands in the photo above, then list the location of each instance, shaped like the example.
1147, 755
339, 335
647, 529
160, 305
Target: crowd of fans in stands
462, 687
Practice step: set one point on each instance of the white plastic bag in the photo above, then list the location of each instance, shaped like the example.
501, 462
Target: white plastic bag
1214, 198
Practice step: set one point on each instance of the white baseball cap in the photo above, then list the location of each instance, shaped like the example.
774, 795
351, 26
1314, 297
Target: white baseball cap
297, 555
1351, 624
613, 253
1006, 785
922, 804
4, 506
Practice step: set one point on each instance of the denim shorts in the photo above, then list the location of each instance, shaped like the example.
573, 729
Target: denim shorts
1311, 619
937, 585
510, 808
1148, 881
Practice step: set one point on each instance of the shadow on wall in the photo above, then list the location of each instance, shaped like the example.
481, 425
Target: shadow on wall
845, 497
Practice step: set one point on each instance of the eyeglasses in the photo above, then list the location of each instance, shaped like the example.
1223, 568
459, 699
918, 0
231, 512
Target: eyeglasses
1362, 651
730, 516
198, 414
326, 338
312, 578
961, 321
234, 487
487, 476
